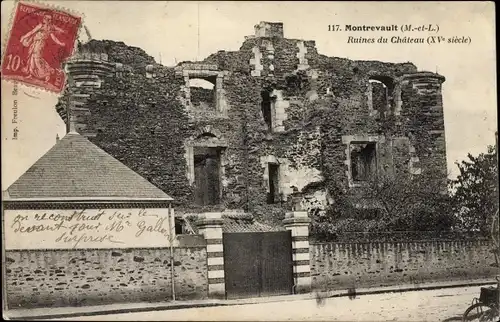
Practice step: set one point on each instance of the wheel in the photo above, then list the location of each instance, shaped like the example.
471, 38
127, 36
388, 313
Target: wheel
481, 312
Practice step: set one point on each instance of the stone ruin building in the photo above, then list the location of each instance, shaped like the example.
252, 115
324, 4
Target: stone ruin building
270, 127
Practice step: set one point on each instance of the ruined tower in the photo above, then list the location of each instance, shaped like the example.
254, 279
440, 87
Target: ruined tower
86, 71
423, 104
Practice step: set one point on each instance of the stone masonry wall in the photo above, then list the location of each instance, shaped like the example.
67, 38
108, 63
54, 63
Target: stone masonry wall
337, 88
92, 277
372, 264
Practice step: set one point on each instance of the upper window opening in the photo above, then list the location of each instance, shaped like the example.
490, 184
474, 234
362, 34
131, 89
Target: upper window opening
202, 94
267, 106
381, 93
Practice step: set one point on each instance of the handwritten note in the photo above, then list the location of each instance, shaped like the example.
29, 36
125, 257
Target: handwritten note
87, 228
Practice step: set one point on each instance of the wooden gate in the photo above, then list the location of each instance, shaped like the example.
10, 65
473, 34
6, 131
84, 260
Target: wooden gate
258, 264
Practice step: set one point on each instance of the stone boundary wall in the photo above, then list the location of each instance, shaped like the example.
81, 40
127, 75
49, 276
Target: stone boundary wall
341, 265
401, 236
51, 278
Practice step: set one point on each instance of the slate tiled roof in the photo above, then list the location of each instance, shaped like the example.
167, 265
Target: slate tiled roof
235, 223
76, 168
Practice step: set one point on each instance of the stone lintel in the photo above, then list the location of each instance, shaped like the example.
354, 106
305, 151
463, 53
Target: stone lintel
209, 223
296, 221
296, 214
198, 66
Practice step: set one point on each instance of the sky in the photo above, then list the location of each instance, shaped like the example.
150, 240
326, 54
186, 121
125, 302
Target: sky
178, 31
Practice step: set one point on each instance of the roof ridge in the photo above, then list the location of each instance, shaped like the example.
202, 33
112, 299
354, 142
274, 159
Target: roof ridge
77, 168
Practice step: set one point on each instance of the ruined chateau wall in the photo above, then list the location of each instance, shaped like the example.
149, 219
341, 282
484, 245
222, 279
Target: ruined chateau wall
320, 106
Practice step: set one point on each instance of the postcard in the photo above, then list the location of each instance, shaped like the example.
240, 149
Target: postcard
249, 161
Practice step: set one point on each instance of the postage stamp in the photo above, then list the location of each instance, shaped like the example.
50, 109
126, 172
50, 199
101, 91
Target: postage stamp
41, 39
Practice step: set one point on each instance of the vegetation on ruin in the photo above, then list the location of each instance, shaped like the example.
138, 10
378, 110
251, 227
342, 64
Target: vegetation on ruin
404, 205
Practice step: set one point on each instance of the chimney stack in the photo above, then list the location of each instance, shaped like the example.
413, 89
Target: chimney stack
86, 71
269, 29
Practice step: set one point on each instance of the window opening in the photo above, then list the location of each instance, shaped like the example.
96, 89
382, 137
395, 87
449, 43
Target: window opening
267, 106
179, 225
382, 88
363, 161
202, 94
273, 194
207, 176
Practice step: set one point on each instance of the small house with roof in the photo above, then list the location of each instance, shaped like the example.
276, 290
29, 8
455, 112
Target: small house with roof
81, 228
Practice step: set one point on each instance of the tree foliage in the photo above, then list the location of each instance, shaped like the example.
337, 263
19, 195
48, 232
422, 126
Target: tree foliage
404, 203
476, 191
390, 204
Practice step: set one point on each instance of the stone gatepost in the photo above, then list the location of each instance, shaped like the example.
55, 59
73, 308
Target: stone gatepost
298, 223
210, 226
